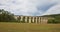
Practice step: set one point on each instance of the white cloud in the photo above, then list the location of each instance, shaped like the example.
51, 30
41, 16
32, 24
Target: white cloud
53, 10
25, 7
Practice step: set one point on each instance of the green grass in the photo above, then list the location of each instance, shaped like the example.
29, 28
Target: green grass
26, 27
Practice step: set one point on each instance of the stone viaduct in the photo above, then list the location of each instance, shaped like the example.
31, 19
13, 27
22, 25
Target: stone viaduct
33, 19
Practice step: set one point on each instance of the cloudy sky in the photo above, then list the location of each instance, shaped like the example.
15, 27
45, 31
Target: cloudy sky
31, 7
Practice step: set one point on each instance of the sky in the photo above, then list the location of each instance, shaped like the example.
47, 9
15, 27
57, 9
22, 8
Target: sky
31, 7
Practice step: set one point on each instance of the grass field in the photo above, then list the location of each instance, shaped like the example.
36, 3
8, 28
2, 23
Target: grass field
25, 27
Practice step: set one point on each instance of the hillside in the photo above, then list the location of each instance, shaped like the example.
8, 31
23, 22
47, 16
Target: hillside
55, 16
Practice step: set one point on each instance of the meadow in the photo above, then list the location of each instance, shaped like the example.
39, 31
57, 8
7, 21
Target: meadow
28, 27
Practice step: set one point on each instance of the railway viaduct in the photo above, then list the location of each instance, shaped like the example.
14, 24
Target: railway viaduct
33, 19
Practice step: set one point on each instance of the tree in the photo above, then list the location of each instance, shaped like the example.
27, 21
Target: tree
6, 16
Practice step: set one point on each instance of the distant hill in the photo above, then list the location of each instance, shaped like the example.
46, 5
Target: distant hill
55, 16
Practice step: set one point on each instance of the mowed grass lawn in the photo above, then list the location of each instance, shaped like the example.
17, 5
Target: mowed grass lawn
26, 27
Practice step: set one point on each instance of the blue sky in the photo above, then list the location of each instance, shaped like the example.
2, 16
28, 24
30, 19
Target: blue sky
31, 7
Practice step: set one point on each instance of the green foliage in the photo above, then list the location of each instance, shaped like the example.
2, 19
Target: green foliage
55, 20
6, 16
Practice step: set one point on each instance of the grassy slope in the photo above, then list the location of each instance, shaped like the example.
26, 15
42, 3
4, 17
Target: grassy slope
19, 27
